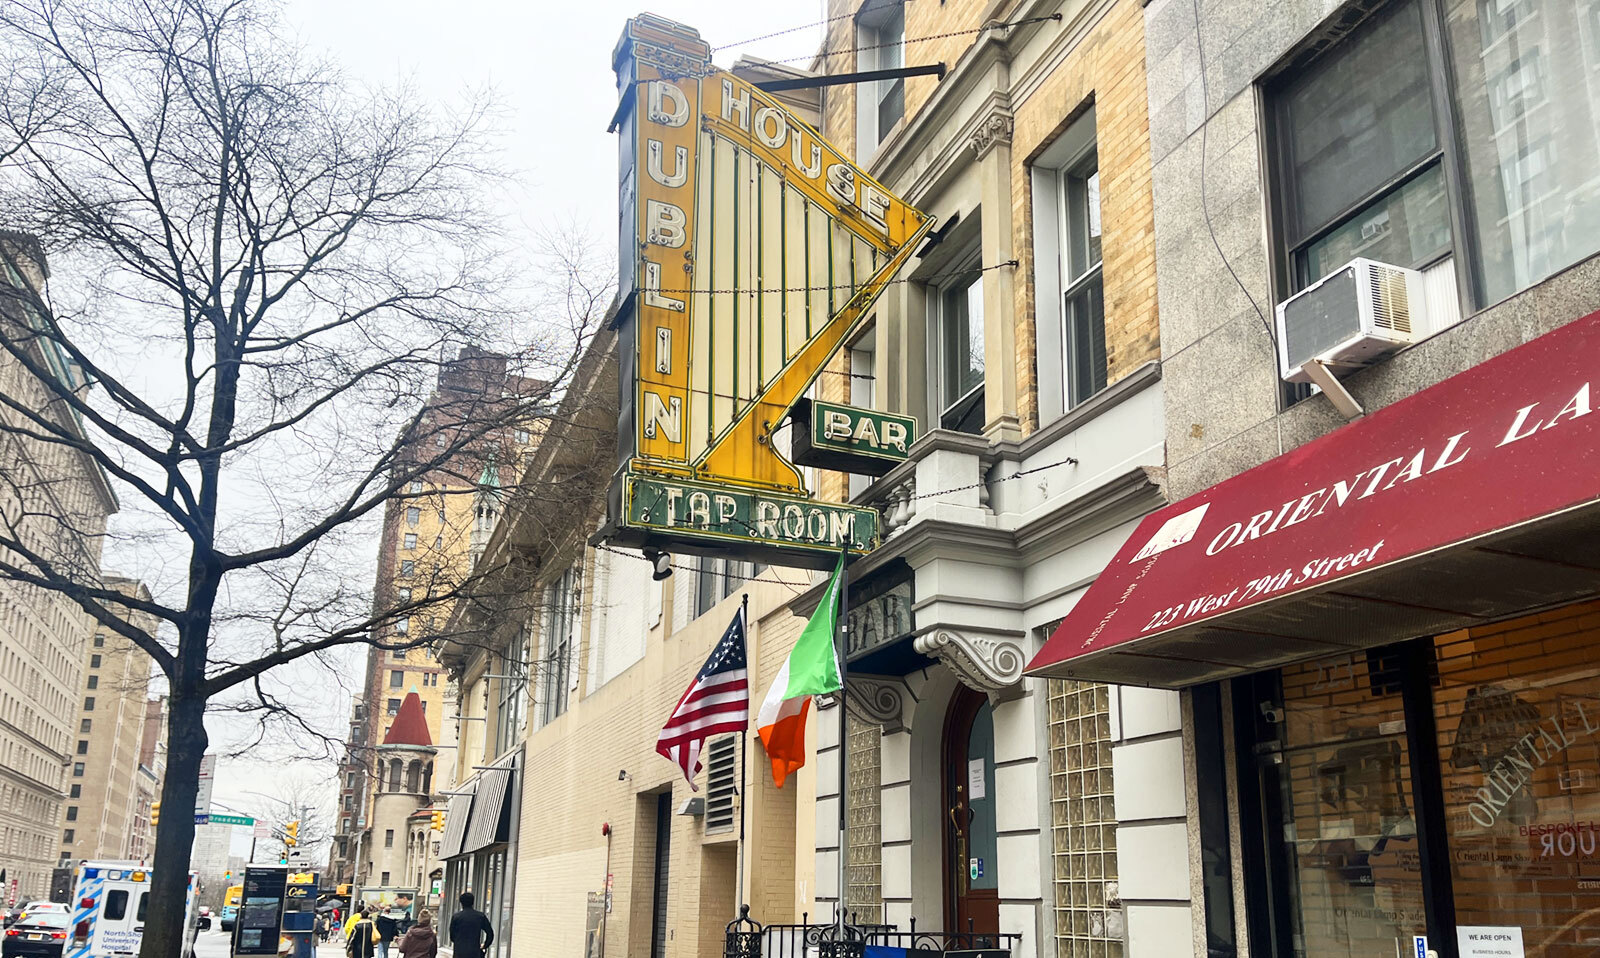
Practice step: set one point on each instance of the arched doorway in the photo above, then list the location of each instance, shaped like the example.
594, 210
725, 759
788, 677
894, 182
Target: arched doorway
972, 888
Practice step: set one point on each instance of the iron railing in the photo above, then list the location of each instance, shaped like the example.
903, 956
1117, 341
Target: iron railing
748, 938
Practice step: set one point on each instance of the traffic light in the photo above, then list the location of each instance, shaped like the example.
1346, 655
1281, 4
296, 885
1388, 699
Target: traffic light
438, 820
155, 814
291, 833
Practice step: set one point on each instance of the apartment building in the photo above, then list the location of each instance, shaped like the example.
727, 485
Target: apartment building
429, 535
1024, 338
1388, 686
107, 811
64, 500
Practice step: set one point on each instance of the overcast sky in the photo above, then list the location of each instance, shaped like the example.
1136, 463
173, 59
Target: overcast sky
548, 66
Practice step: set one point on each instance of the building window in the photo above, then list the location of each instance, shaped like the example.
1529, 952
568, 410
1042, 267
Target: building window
100, 641
83, 746
88, 703
402, 626
344, 826
411, 540
72, 813
561, 619
416, 486
349, 803
94, 681
880, 42
388, 842
349, 779
521, 436
1361, 160
511, 710
413, 515
385, 878
958, 342
77, 769
94, 661
1088, 917
76, 791
70, 836
84, 726
1367, 165
408, 567
397, 679
393, 706
404, 594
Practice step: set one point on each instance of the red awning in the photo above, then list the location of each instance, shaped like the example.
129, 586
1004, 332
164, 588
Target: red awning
1473, 500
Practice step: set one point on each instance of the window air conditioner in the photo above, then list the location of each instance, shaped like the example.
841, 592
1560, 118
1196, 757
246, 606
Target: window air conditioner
1352, 316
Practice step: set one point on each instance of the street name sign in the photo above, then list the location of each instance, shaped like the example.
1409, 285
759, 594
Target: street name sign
245, 820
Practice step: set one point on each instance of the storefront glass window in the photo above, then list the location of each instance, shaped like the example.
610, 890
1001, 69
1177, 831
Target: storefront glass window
1518, 710
1338, 772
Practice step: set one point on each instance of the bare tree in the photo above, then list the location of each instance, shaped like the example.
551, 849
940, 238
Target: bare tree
259, 272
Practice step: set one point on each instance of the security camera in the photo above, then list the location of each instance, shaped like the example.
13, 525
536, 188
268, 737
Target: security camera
623, 776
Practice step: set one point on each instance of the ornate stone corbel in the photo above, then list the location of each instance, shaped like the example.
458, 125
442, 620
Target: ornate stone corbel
879, 701
992, 666
993, 131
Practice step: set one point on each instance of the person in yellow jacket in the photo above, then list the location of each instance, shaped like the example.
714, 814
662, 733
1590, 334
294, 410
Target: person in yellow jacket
360, 949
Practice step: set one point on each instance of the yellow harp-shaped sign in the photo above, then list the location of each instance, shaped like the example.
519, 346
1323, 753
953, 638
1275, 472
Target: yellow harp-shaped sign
751, 250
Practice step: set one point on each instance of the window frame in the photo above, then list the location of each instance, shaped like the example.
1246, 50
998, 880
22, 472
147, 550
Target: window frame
968, 261
561, 624
875, 52
1288, 241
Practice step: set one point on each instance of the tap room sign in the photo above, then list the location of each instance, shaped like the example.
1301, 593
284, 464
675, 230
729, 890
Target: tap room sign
751, 249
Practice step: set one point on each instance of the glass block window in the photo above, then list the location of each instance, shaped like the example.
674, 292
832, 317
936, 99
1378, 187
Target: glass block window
1088, 912
863, 828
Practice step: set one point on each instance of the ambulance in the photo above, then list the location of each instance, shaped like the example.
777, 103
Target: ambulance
109, 907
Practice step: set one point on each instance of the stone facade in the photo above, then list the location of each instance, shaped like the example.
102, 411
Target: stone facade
45, 634
107, 812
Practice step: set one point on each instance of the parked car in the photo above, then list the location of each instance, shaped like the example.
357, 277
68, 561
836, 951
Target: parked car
8, 916
42, 934
44, 907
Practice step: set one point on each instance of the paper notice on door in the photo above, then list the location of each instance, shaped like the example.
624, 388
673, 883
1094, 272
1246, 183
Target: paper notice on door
976, 787
1489, 941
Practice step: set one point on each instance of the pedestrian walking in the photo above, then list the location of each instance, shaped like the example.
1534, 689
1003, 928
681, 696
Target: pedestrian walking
470, 931
388, 927
361, 936
420, 940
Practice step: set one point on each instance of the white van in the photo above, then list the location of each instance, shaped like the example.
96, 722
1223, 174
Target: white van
109, 907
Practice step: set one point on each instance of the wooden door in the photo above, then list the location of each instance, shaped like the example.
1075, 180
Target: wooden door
972, 888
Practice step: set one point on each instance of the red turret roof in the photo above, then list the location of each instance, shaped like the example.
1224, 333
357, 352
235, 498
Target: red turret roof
410, 724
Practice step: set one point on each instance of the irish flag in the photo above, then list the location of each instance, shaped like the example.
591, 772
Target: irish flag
811, 669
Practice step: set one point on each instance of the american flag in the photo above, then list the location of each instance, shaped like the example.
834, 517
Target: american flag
717, 701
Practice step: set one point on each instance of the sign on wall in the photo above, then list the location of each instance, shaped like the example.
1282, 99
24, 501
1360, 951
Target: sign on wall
751, 249
864, 441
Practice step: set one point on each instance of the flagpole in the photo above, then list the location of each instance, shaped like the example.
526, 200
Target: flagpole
744, 754
843, 630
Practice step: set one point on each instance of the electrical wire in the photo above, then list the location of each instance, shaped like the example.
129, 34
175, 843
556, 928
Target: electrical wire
816, 23
747, 291
907, 41
1205, 209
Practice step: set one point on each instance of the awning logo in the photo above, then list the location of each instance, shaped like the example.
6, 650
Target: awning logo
1174, 532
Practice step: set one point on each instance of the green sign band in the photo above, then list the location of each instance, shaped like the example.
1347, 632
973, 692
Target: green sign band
864, 432
732, 515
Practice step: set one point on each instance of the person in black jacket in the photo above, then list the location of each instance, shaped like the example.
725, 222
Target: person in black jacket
388, 928
470, 932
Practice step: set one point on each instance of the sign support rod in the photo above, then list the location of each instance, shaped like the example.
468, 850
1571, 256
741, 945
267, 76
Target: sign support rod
863, 76
744, 755
843, 629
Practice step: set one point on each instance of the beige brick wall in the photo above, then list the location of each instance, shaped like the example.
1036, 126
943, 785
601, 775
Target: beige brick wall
572, 787
1106, 69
